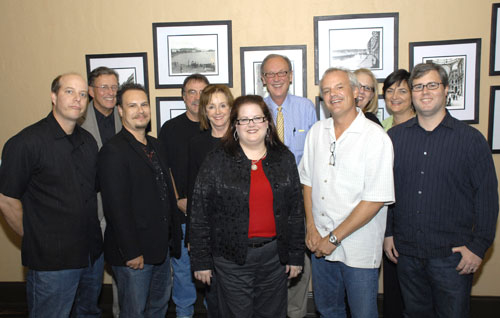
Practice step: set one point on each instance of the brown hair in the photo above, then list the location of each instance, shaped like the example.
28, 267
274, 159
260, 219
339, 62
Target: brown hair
206, 97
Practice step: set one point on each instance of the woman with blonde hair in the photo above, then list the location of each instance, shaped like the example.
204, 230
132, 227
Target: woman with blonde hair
368, 94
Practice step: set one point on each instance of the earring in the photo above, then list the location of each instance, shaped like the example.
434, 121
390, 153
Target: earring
235, 135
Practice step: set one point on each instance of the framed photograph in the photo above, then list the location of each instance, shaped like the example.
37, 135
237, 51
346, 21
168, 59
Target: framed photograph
383, 112
357, 41
321, 110
251, 60
494, 121
184, 48
131, 67
495, 41
461, 59
168, 108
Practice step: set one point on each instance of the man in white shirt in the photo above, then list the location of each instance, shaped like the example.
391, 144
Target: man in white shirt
348, 182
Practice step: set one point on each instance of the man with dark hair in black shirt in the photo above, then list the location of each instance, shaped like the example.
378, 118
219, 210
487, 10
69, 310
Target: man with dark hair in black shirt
446, 209
175, 135
48, 196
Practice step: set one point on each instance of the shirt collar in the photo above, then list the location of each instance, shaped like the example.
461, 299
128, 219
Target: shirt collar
448, 121
274, 106
356, 126
59, 133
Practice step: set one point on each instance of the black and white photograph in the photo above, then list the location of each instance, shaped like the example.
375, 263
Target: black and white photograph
494, 120
184, 48
131, 67
461, 59
382, 112
357, 41
168, 108
190, 54
495, 40
455, 68
251, 60
321, 110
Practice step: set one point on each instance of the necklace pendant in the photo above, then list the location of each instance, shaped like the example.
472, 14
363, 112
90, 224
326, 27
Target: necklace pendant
254, 167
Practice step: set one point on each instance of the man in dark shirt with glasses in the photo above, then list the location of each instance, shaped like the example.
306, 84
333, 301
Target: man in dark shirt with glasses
446, 209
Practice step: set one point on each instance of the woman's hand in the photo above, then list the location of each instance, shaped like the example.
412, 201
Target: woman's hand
293, 271
204, 276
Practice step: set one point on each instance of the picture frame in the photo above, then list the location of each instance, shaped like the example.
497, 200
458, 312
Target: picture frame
357, 41
495, 40
184, 48
168, 108
321, 110
462, 61
494, 120
251, 58
383, 112
131, 67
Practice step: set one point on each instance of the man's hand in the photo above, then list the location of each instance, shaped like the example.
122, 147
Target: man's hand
469, 263
182, 205
203, 276
324, 247
390, 249
293, 271
312, 238
136, 263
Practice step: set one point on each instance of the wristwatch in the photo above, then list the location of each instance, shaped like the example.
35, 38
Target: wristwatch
333, 239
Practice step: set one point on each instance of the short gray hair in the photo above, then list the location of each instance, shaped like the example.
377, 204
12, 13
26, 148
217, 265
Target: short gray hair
270, 56
353, 80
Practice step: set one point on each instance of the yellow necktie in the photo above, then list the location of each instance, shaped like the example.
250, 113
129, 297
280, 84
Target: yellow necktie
280, 124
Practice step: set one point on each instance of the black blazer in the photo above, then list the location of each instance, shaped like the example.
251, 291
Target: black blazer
138, 221
220, 213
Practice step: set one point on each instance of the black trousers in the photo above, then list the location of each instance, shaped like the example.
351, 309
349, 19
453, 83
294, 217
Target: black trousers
256, 289
393, 301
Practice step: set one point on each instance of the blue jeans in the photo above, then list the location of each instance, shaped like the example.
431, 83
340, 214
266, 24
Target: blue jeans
331, 281
184, 291
52, 293
143, 292
433, 288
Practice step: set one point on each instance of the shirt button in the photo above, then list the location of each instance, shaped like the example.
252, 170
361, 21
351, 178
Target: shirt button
425, 153
322, 198
421, 172
419, 192
326, 181
418, 212
322, 214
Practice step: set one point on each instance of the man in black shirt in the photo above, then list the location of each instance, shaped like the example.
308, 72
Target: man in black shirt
48, 196
175, 135
103, 122
446, 209
139, 205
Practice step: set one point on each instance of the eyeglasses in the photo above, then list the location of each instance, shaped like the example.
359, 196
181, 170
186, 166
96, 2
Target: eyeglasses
193, 92
255, 120
272, 74
366, 88
430, 86
113, 88
333, 155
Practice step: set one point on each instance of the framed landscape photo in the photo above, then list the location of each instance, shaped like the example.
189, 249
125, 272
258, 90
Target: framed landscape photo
168, 108
494, 120
251, 60
357, 41
184, 48
131, 67
495, 40
461, 59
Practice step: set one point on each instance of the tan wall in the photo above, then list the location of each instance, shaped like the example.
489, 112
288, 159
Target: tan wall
41, 39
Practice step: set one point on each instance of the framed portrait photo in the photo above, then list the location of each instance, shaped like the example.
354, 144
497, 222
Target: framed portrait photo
168, 108
131, 67
251, 61
494, 120
495, 40
185, 48
357, 41
461, 59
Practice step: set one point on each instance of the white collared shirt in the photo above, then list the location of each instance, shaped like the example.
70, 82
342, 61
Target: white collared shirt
363, 170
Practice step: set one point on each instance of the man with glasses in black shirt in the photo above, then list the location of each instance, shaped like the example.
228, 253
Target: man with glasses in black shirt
48, 196
446, 209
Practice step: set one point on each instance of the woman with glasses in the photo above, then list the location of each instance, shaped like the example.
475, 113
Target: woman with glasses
397, 96
368, 94
247, 216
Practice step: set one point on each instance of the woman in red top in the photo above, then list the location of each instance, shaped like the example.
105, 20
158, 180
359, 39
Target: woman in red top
247, 216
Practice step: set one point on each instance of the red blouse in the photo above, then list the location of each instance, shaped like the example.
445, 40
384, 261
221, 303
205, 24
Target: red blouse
261, 222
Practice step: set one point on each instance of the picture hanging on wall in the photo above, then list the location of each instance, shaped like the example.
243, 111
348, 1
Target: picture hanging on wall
321, 110
461, 59
168, 108
184, 48
494, 120
495, 40
131, 67
251, 60
356, 41
382, 112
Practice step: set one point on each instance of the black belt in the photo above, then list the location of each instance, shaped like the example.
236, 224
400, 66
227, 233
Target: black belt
260, 244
